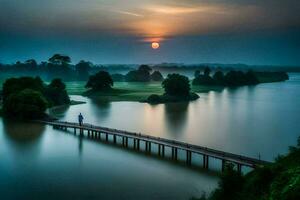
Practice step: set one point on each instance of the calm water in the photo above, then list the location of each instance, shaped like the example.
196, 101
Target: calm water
37, 161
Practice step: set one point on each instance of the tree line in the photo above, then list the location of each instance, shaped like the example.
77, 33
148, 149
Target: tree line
236, 78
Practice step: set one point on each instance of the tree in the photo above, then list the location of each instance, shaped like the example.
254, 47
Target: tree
145, 68
197, 73
230, 184
219, 77
251, 78
140, 75
207, 71
13, 85
101, 80
56, 93
59, 59
59, 67
176, 85
31, 64
156, 76
82, 69
25, 104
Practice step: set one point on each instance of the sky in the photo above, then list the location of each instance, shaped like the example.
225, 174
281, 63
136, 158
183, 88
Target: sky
255, 32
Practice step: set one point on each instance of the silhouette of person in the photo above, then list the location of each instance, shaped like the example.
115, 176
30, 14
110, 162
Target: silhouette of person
80, 119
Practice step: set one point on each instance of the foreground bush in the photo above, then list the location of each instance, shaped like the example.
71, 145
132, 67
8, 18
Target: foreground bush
279, 181
33, 95
26, 104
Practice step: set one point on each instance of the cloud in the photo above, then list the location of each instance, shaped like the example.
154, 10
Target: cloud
128, 13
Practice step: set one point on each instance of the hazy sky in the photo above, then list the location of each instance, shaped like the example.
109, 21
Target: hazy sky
121, 31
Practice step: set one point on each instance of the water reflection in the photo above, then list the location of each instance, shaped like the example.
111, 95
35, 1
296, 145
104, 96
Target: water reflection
23, 132
103, 108
176, 116
59, 111
80, 145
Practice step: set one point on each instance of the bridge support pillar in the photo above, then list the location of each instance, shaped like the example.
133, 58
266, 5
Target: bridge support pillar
239, 168
174, 153
115, 139
205, 161
138, 144
126, 141
74, 131
106, 137
223, 165
134, 143
159, 149
188, 157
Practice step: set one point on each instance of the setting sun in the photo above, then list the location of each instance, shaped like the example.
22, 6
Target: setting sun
155, 45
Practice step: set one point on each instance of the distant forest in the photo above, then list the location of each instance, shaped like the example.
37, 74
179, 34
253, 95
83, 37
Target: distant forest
60, 66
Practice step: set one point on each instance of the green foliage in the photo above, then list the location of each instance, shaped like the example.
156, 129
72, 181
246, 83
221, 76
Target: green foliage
197, 73
230, 184
13, 85
156, 76
286, 185
219, 77
25, 104
140, 75
176, 85
56, 93
266, 77
100, 81
231, 78
59, 59
37, 96
207, 71
279, 181
203, 80
145, 68
82, 70
154, 99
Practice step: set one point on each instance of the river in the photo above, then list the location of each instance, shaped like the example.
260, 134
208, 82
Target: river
38, 162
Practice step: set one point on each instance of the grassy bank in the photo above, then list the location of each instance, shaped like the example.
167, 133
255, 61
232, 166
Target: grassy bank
130, 91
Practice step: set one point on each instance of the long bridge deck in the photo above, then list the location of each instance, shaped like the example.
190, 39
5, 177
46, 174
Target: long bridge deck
96, 131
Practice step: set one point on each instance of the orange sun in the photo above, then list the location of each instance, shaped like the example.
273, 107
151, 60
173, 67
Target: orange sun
155, 45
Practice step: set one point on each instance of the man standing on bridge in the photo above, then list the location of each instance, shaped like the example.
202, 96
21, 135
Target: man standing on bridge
80, 119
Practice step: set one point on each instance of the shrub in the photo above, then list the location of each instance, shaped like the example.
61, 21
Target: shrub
101, 80
25, 104
176, 85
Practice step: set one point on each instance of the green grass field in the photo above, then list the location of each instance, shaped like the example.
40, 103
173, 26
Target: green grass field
130, 91
127, 91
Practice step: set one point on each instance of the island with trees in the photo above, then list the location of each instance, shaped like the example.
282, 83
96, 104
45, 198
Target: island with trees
27, 98
177, 89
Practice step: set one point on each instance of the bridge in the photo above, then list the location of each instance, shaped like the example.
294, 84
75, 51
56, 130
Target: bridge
111, 135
